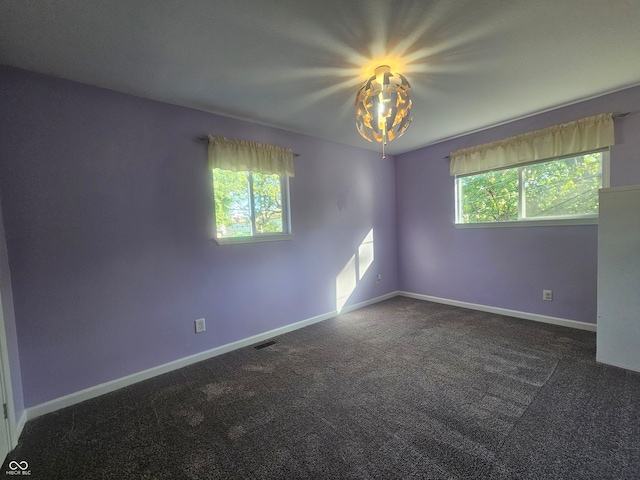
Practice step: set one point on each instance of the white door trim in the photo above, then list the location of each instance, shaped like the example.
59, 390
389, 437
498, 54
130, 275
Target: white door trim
6, 391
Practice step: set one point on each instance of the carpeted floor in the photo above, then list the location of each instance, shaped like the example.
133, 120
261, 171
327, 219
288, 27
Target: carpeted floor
401, 389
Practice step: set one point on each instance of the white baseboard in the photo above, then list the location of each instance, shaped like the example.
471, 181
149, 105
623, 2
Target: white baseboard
20, 426
357, 306
633, 368
101, 389
504, 311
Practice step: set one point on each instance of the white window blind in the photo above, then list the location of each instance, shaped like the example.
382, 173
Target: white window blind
242, 155
584, 135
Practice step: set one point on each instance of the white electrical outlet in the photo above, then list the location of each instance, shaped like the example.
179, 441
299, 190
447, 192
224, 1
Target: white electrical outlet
200, 326
547, 295
378, 278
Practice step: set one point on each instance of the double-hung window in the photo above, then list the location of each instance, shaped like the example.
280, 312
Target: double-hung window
547, 175
251, 190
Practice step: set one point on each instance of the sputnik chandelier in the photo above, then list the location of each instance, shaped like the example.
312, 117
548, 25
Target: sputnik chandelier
383, 106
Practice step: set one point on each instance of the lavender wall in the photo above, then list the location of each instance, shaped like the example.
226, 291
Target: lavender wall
107, 207
505, 267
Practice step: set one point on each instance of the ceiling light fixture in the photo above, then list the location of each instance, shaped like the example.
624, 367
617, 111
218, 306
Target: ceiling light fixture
383, 106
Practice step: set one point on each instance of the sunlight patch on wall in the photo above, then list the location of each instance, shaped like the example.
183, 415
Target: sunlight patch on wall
353, 271
346, 282
365, 254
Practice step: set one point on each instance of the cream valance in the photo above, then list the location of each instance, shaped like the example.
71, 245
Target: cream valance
241, 155
586, 134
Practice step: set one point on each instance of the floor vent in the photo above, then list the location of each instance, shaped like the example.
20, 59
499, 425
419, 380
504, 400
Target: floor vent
265, 345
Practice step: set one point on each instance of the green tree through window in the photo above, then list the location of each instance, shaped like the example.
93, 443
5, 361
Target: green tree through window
490, 197
565, 187
249, 204
268, 202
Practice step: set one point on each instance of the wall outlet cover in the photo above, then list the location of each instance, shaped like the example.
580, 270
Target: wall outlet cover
200, 325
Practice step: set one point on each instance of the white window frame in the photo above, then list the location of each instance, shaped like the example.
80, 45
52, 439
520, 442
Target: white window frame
256, 236
523, 221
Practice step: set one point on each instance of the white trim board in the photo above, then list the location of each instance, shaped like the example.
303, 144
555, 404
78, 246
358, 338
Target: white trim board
605, 361
103, 388
20, 423
504, 311
6, 388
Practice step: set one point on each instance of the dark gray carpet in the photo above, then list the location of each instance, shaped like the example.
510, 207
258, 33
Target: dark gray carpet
401, 389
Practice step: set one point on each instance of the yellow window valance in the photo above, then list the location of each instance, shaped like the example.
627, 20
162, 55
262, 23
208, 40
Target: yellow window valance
584, 135
242, 155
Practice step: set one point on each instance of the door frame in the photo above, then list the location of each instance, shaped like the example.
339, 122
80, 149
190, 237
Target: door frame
6, 390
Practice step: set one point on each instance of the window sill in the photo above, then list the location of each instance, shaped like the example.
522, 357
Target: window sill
548, 222
255, 239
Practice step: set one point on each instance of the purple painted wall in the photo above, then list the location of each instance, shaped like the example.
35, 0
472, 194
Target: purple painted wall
505, 267
107, 206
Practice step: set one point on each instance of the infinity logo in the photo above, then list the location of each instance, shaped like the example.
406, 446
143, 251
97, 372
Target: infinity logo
13, 465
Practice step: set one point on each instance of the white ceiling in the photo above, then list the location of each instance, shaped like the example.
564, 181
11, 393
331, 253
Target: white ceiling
297, 64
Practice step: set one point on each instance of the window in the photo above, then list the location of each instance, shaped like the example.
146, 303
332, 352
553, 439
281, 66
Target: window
250, 205
559, 189
250, 190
